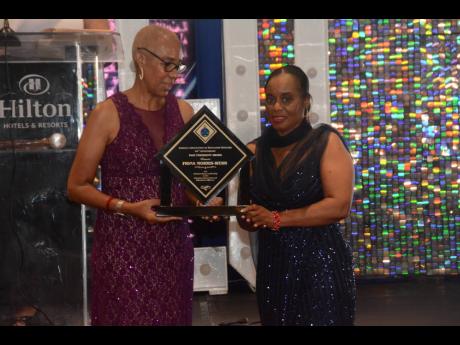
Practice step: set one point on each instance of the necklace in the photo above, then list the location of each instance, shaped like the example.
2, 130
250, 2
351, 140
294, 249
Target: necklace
276, 140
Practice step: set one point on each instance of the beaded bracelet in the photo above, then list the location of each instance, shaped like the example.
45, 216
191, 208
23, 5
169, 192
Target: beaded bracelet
107, 204
276, 221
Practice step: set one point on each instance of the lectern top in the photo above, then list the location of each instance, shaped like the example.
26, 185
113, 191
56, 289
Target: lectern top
80, 46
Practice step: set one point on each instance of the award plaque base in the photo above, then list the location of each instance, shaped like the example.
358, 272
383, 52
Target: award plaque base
200, 211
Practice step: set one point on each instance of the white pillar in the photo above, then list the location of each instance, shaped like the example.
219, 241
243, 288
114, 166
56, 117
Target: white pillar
243, 119
128, 29
311, 54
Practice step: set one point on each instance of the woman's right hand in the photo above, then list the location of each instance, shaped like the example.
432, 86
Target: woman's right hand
143, 209
245, 223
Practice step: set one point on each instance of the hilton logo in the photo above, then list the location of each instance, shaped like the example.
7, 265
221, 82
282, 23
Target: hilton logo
34, 84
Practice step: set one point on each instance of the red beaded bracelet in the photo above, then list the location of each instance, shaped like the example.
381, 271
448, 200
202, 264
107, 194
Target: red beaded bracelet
276, 221
107, 205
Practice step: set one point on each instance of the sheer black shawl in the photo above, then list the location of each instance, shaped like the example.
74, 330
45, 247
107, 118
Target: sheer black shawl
273, 186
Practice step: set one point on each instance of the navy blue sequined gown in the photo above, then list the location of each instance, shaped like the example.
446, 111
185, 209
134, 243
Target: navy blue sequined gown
304, 274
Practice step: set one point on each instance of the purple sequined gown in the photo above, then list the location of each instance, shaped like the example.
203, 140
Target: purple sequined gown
142, 274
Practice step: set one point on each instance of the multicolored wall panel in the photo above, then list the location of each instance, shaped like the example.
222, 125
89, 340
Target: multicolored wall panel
395, 98
276, 49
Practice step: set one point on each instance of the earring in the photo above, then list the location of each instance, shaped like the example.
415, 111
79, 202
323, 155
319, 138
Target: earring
306, 115
141, 75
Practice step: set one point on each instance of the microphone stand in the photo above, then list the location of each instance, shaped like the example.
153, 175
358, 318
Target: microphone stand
7, 35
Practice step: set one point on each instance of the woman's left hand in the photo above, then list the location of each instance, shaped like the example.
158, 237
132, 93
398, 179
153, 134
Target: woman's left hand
258, 215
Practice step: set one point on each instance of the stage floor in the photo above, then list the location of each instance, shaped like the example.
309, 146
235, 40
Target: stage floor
427, 301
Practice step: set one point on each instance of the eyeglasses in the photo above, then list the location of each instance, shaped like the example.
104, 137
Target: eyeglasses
169, 66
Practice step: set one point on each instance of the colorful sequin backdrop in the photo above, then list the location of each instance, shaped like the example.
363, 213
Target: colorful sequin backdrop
276, 49
395, 98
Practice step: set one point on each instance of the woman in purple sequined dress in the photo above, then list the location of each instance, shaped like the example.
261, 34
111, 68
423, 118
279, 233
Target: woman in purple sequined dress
142, 265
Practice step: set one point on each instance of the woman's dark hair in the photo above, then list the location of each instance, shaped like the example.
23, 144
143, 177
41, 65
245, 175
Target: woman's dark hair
263, 165
299, 74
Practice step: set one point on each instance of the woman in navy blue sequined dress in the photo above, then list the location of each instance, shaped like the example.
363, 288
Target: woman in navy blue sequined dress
301, 186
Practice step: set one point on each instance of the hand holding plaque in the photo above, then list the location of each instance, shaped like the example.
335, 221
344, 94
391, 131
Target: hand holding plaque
205, 155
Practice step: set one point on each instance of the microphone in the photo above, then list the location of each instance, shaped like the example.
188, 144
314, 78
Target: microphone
54, 141
57, 140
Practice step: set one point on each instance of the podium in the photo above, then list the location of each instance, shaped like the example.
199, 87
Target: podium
49, 82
